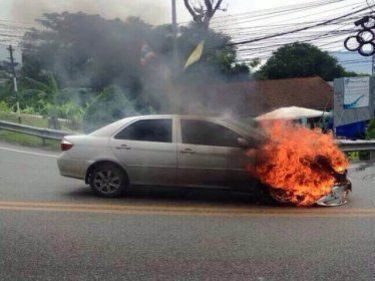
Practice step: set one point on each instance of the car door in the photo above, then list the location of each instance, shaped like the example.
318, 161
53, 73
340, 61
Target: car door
208, 154
148, 151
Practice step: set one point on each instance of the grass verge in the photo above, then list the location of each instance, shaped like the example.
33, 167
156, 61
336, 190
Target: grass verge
357, 156
31, 141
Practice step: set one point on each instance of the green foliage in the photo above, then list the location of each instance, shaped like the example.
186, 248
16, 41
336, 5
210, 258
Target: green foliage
255, 62
70, 110
29, 110
7, 93
46, 98
4, 107
110, 105
84, 50
71, 64
301, 60
88, 51
34, 90
370, 132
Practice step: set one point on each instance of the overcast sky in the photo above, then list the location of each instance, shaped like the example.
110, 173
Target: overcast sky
19, 14
153, 11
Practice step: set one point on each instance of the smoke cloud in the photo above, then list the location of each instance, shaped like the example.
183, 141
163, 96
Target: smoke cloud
155, 12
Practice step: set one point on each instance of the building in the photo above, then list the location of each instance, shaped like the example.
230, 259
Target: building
253, 98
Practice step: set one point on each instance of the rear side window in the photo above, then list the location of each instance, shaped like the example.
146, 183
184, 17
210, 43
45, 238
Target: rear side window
207, 133
158, 130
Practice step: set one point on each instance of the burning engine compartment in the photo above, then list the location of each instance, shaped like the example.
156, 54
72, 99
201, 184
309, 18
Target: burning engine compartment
301, 166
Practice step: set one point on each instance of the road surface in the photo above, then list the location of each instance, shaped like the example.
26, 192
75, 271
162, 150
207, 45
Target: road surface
54, 228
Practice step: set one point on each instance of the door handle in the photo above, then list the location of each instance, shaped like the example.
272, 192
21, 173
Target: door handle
187, 151
123, 146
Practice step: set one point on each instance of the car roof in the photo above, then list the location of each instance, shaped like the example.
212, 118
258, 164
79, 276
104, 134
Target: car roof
111, 128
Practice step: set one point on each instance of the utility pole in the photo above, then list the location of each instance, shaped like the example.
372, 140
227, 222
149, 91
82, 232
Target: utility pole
13, 71
175, 92
174, 32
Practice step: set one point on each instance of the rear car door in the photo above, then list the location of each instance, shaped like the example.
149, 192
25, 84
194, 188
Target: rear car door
208, 154
148, 151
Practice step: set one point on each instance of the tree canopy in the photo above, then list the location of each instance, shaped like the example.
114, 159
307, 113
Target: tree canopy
88, 51
302, 60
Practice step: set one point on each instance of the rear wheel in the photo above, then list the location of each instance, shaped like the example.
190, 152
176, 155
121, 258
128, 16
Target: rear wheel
108, 180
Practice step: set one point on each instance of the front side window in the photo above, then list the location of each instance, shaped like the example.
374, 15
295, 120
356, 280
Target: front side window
207, 133
158, 130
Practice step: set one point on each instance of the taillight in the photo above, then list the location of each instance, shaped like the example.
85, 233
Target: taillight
65, 145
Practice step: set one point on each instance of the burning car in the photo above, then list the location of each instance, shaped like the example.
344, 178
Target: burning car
194, 151
301, 166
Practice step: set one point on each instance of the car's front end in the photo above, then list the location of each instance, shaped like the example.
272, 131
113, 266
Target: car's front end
339, 194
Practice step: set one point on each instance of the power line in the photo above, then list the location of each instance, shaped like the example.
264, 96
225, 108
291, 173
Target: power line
296, 30
270, 16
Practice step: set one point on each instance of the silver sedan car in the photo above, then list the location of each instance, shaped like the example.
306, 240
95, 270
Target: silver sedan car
164, 150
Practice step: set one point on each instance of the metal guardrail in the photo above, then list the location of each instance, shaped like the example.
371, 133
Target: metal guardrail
43, 133
44, 122
345, 145
356, 145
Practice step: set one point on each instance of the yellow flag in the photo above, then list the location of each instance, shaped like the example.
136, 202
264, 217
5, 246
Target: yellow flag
195, 55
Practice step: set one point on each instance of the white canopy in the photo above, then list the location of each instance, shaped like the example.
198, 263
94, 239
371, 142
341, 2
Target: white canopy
292, 112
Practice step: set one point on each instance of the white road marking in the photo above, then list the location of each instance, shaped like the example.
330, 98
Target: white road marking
28, 152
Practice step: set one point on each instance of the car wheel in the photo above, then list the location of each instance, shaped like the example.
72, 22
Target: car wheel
265, 195
108, 180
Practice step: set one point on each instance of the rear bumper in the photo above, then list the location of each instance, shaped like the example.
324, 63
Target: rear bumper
73, 168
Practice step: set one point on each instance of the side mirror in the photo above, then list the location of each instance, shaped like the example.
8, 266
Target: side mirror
243, 143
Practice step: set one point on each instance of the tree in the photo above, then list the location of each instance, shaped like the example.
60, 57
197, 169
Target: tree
203, 11
110, 105
90, 52
301, 60
370, 132
85, 50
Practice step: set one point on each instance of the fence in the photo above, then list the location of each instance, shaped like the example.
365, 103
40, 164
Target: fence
42, 121
43, 133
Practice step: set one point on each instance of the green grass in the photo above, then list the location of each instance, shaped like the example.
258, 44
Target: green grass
31, 141
356, 156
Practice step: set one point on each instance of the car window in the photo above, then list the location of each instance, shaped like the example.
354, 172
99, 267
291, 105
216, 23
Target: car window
207, 133
158, 130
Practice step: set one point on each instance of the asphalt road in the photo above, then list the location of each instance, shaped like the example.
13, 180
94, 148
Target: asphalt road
54, 228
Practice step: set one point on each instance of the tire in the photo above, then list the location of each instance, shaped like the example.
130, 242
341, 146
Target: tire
264, 195
108, 180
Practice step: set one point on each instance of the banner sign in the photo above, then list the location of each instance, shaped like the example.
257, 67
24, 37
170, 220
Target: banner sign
356, 92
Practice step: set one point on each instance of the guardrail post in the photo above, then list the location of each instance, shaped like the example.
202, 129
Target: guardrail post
372, 155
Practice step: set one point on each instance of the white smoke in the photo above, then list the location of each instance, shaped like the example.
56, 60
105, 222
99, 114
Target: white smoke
155, 12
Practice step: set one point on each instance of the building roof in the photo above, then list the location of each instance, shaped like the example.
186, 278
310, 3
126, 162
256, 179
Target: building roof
258, 97
292, 112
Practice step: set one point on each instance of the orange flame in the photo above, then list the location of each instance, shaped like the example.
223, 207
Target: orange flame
288, 162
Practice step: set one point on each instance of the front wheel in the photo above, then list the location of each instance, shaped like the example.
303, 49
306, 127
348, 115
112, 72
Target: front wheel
108, 180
